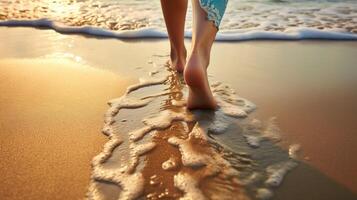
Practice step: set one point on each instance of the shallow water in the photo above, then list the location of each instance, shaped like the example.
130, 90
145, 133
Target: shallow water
173, 153
244, 19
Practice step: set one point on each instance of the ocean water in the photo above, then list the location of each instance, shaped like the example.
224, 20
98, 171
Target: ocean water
243, 20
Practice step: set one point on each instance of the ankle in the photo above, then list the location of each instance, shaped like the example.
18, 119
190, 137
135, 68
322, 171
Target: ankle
178, 52
201, 46
201, 54
178, 58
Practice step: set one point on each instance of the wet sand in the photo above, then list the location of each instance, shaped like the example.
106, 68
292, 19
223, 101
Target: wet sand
308, 85
51, 116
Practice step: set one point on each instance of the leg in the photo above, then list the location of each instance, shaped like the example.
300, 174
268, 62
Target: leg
175, 13
203, 36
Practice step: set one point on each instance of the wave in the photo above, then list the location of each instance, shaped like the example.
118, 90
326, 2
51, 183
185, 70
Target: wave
231, 35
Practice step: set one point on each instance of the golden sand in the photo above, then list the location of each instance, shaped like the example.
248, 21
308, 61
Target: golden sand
51, 116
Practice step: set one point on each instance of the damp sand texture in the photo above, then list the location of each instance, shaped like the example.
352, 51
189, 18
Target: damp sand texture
51, 114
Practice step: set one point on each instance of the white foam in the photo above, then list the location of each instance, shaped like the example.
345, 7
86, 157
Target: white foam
143, 148
294, 150
272, 130
230, 103
145, 82
207, 162
189, 186
130, 181
165, 118
189, 157
132, 185
127, 102
264, 194
160, 121
243, 20
253, 140
292, 34
277, 172
139, 133
136, 151
252, 179
169, 164
220, 123
256, 131
113, 142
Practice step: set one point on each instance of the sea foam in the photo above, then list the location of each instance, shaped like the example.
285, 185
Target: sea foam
243, 20
150, 32
201, 166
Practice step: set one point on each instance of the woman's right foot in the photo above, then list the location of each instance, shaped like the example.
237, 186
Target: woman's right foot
195, 74
178, 60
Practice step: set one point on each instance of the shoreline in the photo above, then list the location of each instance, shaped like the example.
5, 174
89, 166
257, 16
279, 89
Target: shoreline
297, 34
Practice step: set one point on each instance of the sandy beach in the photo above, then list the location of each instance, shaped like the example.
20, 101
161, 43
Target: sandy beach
51, 117
55, 87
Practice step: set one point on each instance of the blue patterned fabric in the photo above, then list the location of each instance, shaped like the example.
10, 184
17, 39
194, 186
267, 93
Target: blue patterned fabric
214, 9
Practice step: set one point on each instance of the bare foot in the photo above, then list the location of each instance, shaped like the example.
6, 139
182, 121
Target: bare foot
178, 60
195, 74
